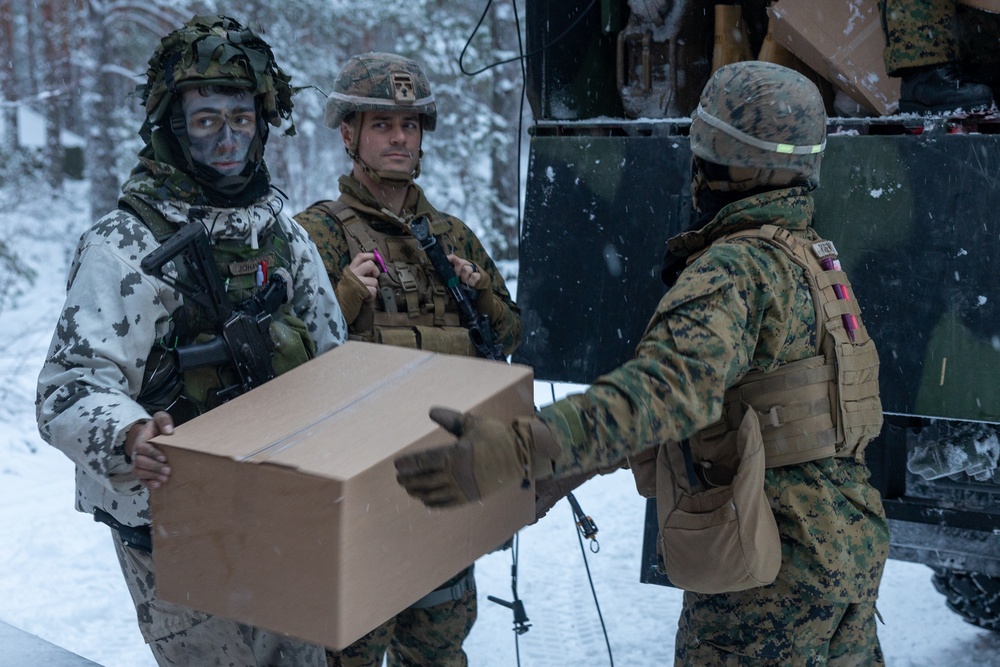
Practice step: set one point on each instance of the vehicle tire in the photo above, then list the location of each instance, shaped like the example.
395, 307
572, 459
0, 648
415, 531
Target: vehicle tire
972, 595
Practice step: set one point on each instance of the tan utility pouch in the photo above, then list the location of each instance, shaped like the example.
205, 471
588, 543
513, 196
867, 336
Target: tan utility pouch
448, 340
643, 466
724, 539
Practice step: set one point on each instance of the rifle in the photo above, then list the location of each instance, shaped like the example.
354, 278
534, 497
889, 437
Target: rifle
478, 324
243, 333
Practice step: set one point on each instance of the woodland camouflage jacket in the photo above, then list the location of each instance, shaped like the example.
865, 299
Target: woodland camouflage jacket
742, 305
459, 239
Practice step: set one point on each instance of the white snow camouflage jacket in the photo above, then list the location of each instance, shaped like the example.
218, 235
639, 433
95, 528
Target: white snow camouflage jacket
113, 315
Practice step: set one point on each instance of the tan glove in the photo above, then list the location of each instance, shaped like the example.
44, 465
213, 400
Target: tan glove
488, 456
487, 302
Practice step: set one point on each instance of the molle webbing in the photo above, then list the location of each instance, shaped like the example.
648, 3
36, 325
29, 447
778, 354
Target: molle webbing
190, 392
410, 299
827, 405
793, 405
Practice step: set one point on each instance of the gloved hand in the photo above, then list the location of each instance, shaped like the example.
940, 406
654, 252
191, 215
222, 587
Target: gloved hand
548, 492
488, 456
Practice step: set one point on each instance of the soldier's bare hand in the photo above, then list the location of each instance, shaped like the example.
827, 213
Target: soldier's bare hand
149, 464
363, 266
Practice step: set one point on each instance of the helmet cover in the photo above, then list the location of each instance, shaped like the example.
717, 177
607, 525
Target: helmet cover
380, 82
215, 50
761, 115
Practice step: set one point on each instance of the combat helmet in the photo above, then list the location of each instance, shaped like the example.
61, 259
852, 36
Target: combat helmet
379, 82
212, 51
767, 119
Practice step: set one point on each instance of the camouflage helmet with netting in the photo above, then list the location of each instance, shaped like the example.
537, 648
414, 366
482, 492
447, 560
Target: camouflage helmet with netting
215, 50
380, 82
761, 115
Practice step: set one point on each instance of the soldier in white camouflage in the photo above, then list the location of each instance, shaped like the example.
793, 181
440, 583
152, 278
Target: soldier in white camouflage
759, 339
111, 380
380, 106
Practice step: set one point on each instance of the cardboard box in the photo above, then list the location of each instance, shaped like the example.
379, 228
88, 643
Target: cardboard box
283, 509
985, 5
843, 42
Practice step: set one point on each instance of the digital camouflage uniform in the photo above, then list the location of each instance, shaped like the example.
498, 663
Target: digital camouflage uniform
413, 308
739, 304
113, 316
454, 235
417, 636
931, 32
759, 326
744, 306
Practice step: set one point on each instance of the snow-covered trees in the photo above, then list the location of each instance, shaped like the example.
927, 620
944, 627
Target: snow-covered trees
77, 62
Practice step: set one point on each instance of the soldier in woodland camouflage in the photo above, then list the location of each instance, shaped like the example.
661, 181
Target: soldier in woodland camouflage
758, 340
947, 55
381, 105
110, 382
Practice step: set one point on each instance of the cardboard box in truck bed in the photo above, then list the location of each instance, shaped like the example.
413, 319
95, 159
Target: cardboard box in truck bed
843, 41
283, 509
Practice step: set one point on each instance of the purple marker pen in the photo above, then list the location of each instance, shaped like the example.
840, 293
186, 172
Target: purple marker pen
850, 322
378, 260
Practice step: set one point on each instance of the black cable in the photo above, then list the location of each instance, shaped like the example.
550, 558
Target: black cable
520, 118
521, 624
513, 587
593, 591
522, 57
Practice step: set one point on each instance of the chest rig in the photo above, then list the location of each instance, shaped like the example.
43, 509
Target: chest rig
821, 406
244, 271
412, 308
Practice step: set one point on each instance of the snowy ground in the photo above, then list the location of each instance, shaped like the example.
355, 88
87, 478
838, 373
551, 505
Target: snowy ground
61, 580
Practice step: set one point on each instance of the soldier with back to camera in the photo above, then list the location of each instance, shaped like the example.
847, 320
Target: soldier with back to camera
745, 412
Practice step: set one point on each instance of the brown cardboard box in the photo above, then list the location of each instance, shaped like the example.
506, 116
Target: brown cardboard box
843, 42
283, 509
992, 6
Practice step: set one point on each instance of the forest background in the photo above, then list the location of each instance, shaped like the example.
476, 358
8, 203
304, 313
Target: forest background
77, 63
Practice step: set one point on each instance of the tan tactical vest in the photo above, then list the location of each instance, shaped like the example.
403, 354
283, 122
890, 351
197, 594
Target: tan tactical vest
826, 405
709, 490
413, 308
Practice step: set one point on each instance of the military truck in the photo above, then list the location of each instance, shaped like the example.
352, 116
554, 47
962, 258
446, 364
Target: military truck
909, 201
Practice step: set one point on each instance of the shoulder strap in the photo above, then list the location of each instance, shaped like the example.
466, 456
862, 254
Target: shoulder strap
358, 234
161, 228
334, 208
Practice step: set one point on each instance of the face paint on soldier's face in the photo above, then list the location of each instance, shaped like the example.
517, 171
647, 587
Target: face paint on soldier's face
221, 128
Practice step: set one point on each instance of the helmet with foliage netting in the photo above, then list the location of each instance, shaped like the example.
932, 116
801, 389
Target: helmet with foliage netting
763, 116
215, 50
380, 82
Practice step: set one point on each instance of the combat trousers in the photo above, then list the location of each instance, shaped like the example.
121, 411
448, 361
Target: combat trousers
183, 637
932, 32
428, 637
754, 629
